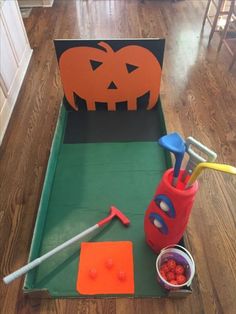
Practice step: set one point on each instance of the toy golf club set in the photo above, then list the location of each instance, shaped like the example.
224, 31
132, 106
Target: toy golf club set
110, 151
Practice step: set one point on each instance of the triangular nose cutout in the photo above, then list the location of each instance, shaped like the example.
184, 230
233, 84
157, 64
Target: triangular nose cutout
131, 67
95, 64
112, 86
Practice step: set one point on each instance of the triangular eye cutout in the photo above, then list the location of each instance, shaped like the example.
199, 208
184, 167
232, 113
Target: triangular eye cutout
130, 67
112, 86
95, 64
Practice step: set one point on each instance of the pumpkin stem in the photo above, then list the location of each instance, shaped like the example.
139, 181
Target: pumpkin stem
106, 46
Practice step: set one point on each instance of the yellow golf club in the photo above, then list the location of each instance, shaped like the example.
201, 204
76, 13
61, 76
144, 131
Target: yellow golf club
209, 165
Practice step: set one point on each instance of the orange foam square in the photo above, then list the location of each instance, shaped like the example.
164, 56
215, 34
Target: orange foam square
106, 268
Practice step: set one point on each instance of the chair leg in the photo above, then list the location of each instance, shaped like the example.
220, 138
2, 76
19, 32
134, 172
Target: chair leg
225, 30
222, 37
232, 63
215, 21
206, 13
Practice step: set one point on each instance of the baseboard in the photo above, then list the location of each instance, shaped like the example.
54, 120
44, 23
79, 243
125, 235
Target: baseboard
35, 3
10, 101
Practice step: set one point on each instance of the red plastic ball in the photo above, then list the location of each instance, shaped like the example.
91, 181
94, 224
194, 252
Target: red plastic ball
164, 268
170, 276
181, 279
163, 274
171, 263
174, 282
179, 270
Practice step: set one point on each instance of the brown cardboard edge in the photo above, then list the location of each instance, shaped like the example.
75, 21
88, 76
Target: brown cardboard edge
179, 294
45, 294
37, 294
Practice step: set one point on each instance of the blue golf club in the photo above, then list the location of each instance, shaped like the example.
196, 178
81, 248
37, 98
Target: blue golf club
174, 143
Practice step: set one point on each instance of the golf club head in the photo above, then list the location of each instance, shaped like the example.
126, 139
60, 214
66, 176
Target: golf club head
209, 165
175, 144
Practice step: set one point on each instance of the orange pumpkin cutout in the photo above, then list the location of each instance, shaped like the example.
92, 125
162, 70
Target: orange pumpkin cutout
103, 75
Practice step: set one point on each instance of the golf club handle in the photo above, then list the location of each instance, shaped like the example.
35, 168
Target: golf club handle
187, 186
192, 179
21, 271
174, 181
184, 175
176, 170
189, 169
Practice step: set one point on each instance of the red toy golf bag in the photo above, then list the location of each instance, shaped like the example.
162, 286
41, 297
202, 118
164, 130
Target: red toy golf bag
168, 213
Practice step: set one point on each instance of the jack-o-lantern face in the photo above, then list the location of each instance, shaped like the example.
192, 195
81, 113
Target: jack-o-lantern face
102, 75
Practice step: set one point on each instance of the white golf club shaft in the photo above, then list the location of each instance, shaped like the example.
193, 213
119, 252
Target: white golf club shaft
21, 271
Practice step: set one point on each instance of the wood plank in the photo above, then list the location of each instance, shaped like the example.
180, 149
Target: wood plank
198, 95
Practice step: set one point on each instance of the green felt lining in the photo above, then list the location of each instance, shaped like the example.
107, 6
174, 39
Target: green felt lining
81, 183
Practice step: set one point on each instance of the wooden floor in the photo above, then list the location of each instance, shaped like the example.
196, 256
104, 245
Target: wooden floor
199, 99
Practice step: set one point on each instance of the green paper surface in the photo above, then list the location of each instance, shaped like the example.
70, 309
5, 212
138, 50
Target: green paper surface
82, 182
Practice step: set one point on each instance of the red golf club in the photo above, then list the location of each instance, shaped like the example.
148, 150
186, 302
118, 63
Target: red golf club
114, 212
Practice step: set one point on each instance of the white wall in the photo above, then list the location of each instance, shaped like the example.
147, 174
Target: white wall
15, 54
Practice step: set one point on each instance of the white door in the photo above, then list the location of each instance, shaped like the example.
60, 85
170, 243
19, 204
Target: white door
15, 55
